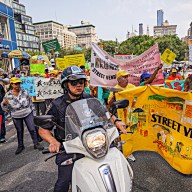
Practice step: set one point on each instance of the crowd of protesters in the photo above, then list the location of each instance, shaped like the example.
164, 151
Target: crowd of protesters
20, 107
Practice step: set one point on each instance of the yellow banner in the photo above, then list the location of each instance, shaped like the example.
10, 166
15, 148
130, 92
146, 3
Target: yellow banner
168, 56
161, 121
60, 62
78, 59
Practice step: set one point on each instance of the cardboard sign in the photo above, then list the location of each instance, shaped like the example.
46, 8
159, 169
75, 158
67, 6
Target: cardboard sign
168, 56
28, 85
60, 62
40, 68
77, 59
48, 88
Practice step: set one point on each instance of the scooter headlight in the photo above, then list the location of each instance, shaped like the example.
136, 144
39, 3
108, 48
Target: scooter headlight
96, 142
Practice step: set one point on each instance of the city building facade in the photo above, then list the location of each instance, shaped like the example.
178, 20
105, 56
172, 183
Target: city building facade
25, 31
160, 17
8, 40
165, 29
49, 30
141, 29
86, 34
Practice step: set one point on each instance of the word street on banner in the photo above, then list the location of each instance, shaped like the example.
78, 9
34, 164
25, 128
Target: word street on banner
175, 84
48, 88
28, 85
104, 67
162, 121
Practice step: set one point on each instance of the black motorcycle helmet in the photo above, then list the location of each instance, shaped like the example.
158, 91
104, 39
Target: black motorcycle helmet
71, 73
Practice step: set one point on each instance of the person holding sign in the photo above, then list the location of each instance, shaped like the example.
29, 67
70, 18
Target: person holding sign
123, 83
147, 78
19, 104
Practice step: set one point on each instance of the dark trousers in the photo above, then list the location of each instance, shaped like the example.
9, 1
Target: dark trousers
64, 172
2, 126
18, 122
40, 107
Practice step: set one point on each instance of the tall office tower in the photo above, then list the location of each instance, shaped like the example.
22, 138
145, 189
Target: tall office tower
148, 30
141, 29
160, 17
27, 40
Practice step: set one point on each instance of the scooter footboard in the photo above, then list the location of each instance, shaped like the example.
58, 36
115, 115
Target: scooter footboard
111, 173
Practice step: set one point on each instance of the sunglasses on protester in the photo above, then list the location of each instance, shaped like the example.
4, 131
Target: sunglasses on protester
75, 82
17, 83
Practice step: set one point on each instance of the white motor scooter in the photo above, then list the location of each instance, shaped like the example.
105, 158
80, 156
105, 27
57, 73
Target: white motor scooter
88, 131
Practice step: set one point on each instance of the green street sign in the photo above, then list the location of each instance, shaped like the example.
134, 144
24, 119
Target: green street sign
50, 45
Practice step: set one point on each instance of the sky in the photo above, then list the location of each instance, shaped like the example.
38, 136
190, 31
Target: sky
112, 18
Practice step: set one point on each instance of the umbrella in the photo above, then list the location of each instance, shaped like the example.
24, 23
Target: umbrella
19, 54
41, 57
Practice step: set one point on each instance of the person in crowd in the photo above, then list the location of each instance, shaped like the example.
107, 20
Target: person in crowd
147, 78
123, 83
6, 83
174, 75
19, 104
36, 74
87, 89
53, 74
82, 68
18, 75
188, 84
14, 72
73, 82
2, 114
47, 73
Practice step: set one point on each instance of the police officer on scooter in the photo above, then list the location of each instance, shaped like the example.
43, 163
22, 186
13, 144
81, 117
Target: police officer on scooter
73, 83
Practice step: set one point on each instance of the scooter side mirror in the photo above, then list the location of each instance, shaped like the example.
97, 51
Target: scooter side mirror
44, 120
119, 105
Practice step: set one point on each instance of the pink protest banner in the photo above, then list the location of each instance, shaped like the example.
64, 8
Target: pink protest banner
104, 67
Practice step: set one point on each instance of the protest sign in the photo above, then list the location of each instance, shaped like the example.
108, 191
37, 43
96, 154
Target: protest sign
176, 84
104, 67
28, 85
168, 56
77, 59
161, 121
52, 45
48, 88
40, 68
60, 62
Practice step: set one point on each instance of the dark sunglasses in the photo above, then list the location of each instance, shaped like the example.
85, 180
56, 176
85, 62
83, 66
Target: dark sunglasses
80, 81
17, 83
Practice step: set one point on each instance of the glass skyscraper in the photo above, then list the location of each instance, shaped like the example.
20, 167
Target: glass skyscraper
160, 17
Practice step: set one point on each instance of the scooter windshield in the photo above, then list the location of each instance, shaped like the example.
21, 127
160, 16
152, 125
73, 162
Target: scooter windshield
84, 114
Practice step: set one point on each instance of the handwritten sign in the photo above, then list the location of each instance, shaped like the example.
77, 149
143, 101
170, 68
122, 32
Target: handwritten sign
40, 68
168, 56
177, 84
48, 88
77, 59
60, 62
28, 85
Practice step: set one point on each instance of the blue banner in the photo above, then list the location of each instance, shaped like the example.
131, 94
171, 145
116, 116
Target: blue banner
175, 84
28, 85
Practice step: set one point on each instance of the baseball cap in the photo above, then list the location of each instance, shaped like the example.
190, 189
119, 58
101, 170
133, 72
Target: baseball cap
174, 71
15, 80
121, 73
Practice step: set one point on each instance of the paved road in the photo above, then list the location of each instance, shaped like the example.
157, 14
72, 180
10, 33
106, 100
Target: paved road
27, 172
